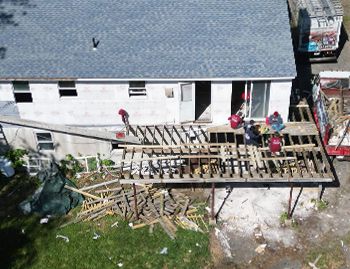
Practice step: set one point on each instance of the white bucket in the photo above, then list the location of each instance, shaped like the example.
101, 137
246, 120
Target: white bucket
6, 167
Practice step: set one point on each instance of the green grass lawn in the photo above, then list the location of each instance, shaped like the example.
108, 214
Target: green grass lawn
25, 243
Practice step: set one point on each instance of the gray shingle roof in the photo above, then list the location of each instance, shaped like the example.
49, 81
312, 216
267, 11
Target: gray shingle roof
146, 39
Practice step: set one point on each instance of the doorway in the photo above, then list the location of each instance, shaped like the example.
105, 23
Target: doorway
238, 89
203, 101
186, 102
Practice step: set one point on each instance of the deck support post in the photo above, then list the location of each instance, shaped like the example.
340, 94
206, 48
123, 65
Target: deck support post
320, 191
290, 202
212, 215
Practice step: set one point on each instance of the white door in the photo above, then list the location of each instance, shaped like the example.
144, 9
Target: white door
187, 112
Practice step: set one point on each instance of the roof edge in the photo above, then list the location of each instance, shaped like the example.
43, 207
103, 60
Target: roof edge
148, 79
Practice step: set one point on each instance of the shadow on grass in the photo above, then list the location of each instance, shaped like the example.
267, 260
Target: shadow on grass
17, 232
15, 247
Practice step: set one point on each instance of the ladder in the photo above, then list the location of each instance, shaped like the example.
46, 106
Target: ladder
4, 145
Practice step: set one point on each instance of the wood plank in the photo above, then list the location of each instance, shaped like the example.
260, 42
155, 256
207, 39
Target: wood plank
325, 159
82, 192
288, 166
69, 130
305, 158
315, 159
232, 180
224, 157
100, 185
292, 147
299, 171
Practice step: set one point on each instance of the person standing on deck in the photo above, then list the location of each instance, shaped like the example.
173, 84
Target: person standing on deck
236, 120
250, 135
275, 143
276, 122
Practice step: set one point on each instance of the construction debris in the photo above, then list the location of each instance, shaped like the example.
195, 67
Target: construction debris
65, 238
313, 264
261, 248
142, 205
96, 236
164, 251
331, 98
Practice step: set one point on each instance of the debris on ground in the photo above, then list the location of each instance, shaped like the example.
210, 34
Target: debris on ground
313, 264
141, 205
96, 236
44, 220
115, 224
261, 248
164, 251
224, 241
65, 238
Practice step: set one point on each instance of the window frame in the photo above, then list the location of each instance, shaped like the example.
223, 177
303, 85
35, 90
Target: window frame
267, 87
137, 91
63, 90
38, 141
24, 92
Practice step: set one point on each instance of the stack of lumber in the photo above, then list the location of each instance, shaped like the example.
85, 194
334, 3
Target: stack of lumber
142, 205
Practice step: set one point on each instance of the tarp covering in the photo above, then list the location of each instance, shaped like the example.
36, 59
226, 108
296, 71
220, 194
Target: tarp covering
51, 198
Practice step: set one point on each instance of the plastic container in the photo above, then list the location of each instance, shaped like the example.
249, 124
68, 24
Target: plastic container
6, 167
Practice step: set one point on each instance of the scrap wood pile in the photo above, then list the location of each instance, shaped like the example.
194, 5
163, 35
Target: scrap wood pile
338, 112
341, 132
170, 208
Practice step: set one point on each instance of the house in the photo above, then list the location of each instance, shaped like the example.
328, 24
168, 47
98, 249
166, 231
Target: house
165, 62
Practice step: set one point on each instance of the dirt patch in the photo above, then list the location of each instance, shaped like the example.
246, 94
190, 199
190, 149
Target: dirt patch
252, 217
219, 260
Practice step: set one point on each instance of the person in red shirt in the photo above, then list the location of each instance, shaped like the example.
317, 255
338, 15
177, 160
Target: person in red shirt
245, 97
124, 115
275, 143
235, 121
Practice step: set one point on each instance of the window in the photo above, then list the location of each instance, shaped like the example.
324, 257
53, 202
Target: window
67, 88
137, 88
259, 99
45, 141
22, 92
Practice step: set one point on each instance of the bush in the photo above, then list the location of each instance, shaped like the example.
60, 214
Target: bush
107, 162
16, 157
70, 165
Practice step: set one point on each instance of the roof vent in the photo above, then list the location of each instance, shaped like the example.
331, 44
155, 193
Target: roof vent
95, 43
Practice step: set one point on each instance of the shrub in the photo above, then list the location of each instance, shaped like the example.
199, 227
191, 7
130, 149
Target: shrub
16, 157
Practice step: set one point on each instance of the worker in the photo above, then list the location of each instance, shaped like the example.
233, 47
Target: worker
276, 122
250, 124
251, 134
236, 120
125, 117
245, 97
275, 143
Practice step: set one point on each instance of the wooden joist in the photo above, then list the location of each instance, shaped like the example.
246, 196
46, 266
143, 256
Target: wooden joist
184, 154
220, 178
88, 133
